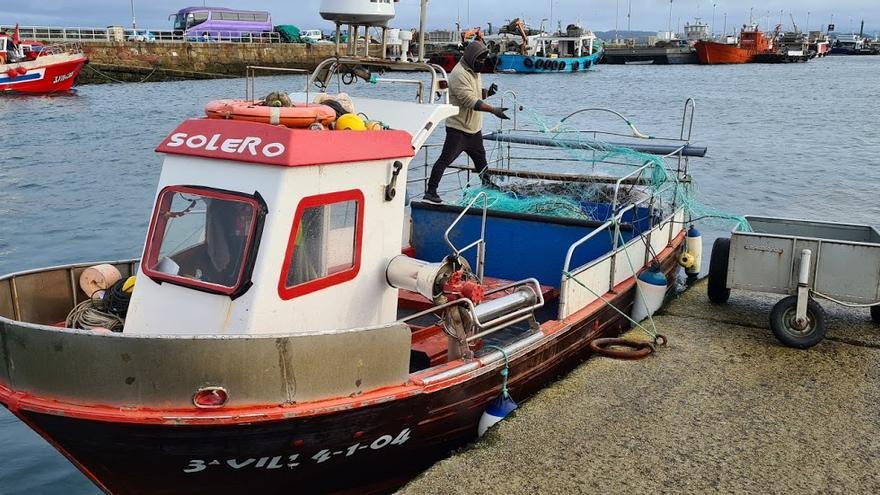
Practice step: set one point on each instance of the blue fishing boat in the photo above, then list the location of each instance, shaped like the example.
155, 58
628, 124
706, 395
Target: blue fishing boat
574, 50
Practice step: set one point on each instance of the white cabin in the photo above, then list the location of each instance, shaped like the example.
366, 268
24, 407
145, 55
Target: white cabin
262, 229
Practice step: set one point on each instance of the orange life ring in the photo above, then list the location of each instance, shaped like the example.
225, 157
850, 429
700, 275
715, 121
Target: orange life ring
300, 116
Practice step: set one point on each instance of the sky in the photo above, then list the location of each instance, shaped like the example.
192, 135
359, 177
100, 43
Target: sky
647, 15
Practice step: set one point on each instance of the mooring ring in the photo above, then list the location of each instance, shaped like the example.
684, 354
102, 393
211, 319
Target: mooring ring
660, 340
639, 349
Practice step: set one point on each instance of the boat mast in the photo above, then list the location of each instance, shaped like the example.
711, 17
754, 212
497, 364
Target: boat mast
629, 14
616, 18
669, 24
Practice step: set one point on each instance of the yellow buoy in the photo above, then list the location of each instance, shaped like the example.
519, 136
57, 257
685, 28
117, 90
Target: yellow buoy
128, 286
687, 260
350, 122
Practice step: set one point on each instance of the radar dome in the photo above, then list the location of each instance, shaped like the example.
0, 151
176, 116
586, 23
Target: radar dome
358, 12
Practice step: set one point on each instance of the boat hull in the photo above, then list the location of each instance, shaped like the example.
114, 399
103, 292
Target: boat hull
712, 53
522, 64
650, 55
360, 446
42, 78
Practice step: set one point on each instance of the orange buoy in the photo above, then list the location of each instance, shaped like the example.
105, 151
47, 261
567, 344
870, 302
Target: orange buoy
21, 70
299, 116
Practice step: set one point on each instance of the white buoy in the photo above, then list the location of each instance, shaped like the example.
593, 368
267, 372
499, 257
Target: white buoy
497, 410
651, 291
695, 249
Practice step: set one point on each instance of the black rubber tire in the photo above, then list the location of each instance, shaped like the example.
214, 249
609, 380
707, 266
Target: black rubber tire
782, 319
875, 314
562, 65
529, 63
717, 285
539, 64
575, 66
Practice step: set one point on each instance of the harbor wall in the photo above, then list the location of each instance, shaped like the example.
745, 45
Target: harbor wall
201, 60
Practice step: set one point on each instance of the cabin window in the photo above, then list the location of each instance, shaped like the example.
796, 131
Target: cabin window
324, 247
204, 239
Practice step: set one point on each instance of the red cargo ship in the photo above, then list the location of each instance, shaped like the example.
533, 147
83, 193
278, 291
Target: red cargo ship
751, 43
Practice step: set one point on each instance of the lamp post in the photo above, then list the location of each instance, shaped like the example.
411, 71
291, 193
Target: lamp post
712, 29
133, 22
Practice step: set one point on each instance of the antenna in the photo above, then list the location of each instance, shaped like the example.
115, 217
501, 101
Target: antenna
669, 25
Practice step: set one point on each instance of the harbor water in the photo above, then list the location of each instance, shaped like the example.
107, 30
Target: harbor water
78, 173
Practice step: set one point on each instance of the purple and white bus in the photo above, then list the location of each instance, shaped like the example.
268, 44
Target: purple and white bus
218, 22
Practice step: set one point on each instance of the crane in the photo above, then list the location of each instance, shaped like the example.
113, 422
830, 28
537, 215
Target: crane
518, 26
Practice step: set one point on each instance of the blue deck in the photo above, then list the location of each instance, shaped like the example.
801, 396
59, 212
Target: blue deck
518, 245
535, 65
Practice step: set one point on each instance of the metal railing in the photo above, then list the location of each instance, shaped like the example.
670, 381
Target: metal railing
119, 34
479, 243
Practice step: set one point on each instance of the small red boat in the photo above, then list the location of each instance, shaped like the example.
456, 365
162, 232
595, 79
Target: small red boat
51, 69
752, 42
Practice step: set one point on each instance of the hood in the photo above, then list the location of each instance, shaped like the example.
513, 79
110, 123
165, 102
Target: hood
473, 50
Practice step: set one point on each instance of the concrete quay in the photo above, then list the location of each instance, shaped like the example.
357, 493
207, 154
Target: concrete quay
134, 62
724, 408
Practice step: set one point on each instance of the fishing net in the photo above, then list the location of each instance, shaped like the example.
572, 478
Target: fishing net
597, 164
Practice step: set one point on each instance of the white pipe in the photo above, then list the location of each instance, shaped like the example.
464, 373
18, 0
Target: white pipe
422, 19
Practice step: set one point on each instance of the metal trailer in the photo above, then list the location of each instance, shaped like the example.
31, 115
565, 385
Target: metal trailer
805, 260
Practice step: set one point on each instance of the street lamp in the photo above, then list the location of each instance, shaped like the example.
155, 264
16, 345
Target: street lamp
133, 22
712, 33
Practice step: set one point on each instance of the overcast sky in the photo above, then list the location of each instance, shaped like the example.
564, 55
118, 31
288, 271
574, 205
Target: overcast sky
647, 15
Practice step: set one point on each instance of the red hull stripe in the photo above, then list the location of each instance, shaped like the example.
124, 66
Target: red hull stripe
268, 144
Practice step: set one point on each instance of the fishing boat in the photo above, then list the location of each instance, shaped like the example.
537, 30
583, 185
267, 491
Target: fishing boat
50, 69
575, 50
293, 324
752, 42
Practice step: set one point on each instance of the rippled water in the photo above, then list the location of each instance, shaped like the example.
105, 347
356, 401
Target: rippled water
77, 173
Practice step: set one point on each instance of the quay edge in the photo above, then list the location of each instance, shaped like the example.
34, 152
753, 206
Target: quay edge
724, 408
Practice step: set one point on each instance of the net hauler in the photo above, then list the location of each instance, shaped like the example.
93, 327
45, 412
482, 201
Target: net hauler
276, 339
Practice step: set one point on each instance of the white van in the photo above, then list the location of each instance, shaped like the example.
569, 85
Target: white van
313, 34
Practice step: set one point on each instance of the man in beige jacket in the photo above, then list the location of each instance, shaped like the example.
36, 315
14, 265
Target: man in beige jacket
464, 132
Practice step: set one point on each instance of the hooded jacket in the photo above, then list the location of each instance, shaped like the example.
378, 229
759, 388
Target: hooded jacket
465, 90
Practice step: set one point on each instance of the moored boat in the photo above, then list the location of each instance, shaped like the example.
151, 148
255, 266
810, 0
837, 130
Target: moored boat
575, 50
276, 338
751, 43
50, 69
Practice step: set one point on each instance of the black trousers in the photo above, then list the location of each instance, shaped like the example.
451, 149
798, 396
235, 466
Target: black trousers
456, 143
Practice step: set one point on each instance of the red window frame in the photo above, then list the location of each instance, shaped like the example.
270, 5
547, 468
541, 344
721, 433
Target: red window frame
151, 251
286, 293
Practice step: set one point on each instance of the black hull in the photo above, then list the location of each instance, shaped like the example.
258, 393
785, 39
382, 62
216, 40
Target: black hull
368, 449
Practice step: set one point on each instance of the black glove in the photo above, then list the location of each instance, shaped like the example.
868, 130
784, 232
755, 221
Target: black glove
499, 112
493, 89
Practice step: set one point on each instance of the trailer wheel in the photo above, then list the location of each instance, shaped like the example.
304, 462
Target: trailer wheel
875, 314
717, 287
786, 329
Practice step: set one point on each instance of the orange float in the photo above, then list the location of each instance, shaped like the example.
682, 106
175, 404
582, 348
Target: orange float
299, 116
